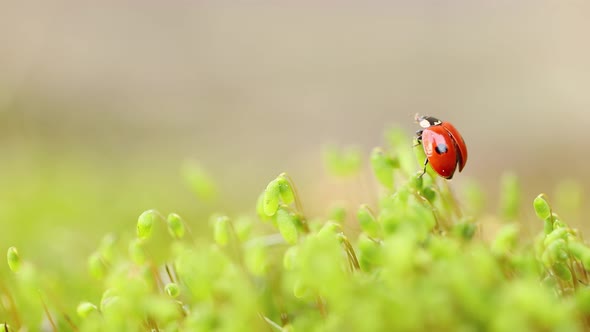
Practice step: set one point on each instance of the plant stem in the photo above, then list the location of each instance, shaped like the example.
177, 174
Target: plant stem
53, 326
321, 306
170, 276
298, 204
351, 254
271, 322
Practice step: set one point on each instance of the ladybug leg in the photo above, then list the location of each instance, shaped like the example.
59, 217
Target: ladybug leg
418, 138
419, 142
424, 169
419, 135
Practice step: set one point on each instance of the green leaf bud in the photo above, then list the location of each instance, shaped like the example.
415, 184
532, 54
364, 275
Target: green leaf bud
369, 252
541, 206
172, 290
272, 194
145, 224
221, 230
108, 298
285, 189
96, 266
13, 258
428, 193
559, 233
286, 225
417, 182
260, 208
557, 250
465, 229
107, 247
382, 167
84, 309
175, 226
367, 221
579, 250
330, 228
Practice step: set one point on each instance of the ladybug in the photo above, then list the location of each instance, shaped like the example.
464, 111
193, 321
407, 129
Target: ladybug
444, 147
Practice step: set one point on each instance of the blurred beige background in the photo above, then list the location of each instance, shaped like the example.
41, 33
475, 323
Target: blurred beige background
251, 89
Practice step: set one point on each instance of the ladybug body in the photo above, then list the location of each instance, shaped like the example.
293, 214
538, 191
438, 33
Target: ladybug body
444, 147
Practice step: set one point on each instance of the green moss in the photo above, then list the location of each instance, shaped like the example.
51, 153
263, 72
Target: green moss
417, 260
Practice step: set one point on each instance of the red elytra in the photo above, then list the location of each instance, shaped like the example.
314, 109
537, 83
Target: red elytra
444, 147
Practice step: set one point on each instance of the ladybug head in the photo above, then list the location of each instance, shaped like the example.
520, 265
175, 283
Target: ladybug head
426, 121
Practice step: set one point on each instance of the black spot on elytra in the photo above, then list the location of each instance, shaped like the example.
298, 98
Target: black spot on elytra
441, 149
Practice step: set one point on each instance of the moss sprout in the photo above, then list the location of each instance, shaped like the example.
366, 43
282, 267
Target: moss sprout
420, 257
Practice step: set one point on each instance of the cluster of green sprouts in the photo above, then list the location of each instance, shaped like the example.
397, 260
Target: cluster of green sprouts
418, 259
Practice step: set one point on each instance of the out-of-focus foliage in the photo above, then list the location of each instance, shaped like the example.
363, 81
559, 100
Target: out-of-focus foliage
418, 263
